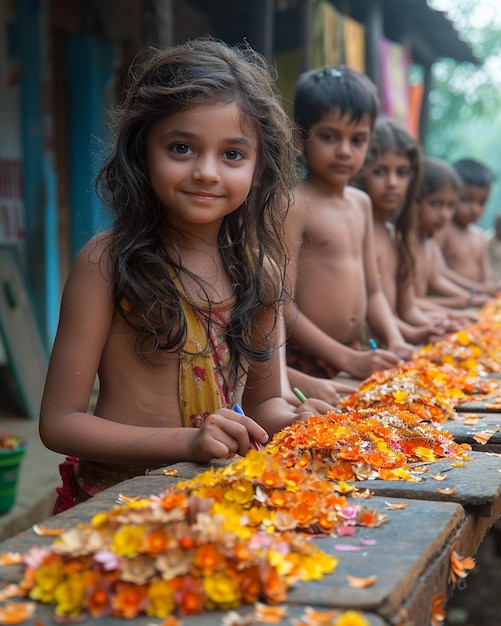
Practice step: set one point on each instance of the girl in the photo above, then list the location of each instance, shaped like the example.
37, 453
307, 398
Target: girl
180, 298
436, 201
391, 176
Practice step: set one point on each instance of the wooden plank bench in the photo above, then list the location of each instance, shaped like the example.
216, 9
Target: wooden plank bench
410, 557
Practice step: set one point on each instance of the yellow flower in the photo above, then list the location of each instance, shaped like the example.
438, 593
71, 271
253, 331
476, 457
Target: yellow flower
128, 540
222, 590
160, 599
256, 463
100, 519
351, 618
241, 492
425, 454
280, 562
400, 396
462, 338
70, 595
47, 578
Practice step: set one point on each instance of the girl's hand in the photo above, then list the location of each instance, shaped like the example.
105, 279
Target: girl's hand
223, 434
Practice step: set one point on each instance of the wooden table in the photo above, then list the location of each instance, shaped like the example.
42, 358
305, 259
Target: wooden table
410, 557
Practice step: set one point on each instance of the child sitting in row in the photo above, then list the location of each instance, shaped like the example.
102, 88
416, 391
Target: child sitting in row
436, 203
391, 176
463, 244
333, 270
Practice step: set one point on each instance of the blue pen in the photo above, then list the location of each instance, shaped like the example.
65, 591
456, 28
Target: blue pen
255, 444
372, 344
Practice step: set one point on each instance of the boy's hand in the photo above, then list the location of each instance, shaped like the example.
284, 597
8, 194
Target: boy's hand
324, 389
223, 434
363, 363
403, 350
313, 406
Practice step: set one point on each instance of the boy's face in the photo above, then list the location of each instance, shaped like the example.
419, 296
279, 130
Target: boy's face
336, 149
471, 204
436, 210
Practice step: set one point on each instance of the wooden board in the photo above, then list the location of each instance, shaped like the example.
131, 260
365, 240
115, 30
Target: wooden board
477, 484
489, 423
410, 557
26, 355
491, 404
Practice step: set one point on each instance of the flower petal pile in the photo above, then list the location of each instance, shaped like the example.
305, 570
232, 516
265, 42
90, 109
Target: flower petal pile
476, 348
365, 444
220, 540
422, 387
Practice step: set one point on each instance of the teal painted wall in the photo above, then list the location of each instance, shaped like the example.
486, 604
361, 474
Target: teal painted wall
90, 69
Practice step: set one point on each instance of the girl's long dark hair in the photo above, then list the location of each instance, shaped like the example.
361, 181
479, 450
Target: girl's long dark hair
389, 136
143, 254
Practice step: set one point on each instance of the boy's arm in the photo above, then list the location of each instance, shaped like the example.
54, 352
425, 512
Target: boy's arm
449, 292
306, 334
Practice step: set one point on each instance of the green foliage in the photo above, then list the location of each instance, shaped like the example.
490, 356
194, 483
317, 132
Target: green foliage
465, 99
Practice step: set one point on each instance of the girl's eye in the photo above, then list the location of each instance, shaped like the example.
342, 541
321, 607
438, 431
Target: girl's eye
233, 155
181, 148
403, 173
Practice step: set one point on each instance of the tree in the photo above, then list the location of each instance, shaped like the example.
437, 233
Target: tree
465, 99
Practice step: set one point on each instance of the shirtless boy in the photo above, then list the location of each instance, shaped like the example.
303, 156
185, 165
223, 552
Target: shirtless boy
333, 267
463, 244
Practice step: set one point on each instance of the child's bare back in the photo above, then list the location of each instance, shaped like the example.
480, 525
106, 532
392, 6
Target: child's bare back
331, 277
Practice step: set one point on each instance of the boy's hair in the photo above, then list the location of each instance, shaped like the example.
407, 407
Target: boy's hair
473, 172
340, 88
389, 136
143, 254
437, 174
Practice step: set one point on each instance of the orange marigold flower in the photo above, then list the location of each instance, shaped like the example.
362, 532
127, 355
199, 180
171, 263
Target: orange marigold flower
129, 600
208, 559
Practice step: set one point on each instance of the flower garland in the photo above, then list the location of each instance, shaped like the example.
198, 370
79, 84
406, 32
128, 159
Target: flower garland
365, 444
220, 540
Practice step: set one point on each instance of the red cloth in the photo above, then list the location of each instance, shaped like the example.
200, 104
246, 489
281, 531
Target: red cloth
68, 492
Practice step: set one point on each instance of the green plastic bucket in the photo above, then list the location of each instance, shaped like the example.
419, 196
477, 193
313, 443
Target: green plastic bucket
10, 462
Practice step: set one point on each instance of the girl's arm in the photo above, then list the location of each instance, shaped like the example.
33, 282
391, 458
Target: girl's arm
379, 314
83, 334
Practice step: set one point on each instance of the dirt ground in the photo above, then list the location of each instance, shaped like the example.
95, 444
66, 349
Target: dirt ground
479, 603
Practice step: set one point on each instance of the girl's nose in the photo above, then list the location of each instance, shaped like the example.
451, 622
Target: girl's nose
391, 179
206, 169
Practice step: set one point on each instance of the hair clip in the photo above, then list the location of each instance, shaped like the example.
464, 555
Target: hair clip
333, 72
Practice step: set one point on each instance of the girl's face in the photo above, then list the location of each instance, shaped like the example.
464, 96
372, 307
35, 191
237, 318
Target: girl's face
336, 149
201, 164
436, 210
387, 182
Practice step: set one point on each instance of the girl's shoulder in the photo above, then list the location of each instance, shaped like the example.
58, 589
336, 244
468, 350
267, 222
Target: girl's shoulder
94, 254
